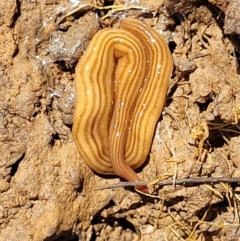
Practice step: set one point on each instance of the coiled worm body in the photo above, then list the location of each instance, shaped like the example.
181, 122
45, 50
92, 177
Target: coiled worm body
121, 83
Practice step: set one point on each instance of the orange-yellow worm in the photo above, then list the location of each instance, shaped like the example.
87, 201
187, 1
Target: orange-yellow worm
121, 84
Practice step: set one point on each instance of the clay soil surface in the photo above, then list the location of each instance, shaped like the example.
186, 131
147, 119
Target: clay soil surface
47, 192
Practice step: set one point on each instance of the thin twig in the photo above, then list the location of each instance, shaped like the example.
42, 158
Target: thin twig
185, 181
